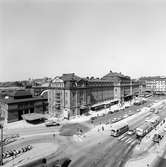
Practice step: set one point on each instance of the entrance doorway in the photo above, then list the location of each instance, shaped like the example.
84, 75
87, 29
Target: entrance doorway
20, 113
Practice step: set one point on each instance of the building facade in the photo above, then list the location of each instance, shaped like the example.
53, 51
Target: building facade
20, 102
155, 84
72, 95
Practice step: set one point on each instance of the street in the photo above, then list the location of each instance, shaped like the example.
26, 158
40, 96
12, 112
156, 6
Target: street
97, 148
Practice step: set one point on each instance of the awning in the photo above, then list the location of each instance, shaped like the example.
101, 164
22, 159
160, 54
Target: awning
33, 116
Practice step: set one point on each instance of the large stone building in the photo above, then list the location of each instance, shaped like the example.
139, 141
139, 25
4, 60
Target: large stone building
73, 95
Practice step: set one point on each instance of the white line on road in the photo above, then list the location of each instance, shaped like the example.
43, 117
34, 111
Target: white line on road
121, 137
124, 138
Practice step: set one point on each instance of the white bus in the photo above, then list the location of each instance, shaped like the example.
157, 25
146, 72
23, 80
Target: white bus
119, 129
144, 129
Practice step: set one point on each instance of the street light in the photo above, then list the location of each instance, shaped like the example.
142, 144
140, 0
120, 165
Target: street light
1, 127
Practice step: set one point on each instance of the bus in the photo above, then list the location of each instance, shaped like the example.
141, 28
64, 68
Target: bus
106, 104
144, 129
97, 107
119, 129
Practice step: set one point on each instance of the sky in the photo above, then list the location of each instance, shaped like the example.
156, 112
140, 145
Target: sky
46, 38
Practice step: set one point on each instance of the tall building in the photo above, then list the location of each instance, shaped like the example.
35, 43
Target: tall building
73, 95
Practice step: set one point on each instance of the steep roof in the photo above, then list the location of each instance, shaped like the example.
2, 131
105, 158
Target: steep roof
112, 75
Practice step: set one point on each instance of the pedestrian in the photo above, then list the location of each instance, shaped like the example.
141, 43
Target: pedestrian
102, 128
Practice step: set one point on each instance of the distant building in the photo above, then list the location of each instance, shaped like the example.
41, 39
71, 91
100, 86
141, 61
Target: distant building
74, 95
41, 90
156, 84
20, 102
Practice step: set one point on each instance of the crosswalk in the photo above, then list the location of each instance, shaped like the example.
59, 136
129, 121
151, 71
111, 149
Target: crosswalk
126, 139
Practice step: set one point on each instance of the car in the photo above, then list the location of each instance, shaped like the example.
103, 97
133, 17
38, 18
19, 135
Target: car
52, 123
131, 132
152, 109
114, 120
125, 116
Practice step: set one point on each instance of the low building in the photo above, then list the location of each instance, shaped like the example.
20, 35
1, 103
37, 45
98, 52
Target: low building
20, 102
72, 95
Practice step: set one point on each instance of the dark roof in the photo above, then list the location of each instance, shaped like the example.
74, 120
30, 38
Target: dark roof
70, 77
33, 116
12, 101
112, 75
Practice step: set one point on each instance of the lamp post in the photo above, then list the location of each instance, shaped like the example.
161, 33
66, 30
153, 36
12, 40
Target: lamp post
1, 127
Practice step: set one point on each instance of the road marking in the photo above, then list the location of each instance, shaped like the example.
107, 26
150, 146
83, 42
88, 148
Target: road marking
121, 137
126, 141
125, 137
133, 142
129, 141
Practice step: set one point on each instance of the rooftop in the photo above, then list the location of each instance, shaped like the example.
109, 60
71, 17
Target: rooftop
12, 101
70, 77
112, 75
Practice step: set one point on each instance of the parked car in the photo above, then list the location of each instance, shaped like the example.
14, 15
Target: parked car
114, 120
52, 123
